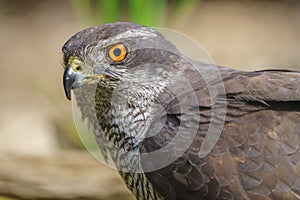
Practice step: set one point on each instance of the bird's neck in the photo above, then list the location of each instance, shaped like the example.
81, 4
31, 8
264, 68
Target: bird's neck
124, 115
120, 117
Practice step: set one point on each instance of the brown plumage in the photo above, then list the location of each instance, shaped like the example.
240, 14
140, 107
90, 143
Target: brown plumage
257, 155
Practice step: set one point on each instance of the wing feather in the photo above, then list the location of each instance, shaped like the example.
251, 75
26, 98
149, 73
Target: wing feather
257, 155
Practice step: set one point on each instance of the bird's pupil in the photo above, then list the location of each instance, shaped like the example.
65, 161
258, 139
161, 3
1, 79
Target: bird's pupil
117, 51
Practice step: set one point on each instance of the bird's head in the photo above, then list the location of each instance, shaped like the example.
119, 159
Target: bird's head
123, 76
117, 54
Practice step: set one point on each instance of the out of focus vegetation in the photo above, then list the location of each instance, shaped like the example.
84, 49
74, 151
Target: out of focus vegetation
145, 12
41, 155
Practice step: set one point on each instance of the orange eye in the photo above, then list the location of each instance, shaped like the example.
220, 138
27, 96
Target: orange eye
118, 52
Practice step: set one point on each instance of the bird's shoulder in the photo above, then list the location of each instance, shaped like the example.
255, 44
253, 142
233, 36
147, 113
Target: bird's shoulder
257, 154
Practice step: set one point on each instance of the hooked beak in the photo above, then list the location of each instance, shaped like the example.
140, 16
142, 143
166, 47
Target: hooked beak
73, 79
69, 79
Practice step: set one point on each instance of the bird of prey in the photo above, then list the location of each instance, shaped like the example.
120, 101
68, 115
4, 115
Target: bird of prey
229, 134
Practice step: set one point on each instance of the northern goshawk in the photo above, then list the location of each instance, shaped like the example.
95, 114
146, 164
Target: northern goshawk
215, 132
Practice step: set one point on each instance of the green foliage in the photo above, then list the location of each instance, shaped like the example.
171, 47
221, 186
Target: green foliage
84, 10
109, 10
145, 12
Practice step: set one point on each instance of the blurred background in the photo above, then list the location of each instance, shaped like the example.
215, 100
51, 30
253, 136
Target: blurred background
41, 156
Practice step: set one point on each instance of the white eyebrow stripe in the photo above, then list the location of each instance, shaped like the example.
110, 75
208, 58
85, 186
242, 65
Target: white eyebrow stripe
133, 33
141, 32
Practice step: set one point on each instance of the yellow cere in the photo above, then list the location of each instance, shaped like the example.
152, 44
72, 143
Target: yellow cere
75, 63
